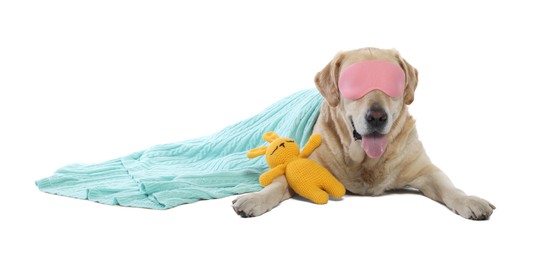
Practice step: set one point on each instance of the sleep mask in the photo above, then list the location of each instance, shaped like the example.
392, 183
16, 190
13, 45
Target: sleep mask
359, 78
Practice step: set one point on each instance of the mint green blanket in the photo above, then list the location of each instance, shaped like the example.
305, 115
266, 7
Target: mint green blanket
169, 175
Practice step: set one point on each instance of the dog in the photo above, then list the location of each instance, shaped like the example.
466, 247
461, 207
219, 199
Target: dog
370, 143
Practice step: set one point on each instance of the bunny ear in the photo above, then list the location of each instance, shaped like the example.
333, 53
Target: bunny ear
270, 136
257, 152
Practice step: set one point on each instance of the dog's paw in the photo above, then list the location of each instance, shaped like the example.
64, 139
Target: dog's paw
472, 207
250, 205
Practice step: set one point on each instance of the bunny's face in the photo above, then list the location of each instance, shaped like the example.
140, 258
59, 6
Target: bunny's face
280, 151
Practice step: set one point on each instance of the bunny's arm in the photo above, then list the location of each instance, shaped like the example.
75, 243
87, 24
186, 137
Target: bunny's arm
314, 141
266, 178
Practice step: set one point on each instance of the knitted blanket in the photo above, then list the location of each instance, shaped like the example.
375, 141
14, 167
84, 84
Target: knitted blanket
169, 175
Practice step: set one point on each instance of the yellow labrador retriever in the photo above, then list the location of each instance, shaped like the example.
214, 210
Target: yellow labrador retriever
370, 144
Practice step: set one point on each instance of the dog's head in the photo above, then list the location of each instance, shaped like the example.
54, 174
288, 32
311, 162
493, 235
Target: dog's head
370, 108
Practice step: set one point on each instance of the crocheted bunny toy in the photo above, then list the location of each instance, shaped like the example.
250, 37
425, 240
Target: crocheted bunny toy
305, 176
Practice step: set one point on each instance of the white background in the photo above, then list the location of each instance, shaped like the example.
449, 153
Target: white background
88, 81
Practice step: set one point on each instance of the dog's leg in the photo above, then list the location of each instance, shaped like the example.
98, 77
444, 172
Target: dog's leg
257, 203
434, 184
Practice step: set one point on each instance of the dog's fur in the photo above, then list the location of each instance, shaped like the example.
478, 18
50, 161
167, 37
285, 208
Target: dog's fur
404, 163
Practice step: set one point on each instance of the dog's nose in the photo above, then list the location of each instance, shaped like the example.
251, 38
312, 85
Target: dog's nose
376, 117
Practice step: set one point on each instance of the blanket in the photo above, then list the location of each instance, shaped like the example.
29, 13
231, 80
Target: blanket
169, 175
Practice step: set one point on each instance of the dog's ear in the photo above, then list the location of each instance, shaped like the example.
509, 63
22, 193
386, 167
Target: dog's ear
411, 80
257, 152
327, 80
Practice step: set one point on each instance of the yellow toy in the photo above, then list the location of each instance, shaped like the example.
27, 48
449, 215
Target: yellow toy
305, 176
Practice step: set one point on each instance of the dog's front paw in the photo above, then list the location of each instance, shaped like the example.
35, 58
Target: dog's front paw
250, 205
472, 207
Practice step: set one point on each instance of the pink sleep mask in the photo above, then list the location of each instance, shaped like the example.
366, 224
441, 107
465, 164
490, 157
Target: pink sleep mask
358, 79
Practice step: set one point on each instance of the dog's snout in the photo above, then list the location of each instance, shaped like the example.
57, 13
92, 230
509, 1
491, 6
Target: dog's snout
376, 117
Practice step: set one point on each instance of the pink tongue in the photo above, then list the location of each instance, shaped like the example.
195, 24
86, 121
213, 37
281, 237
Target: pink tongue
374, 145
